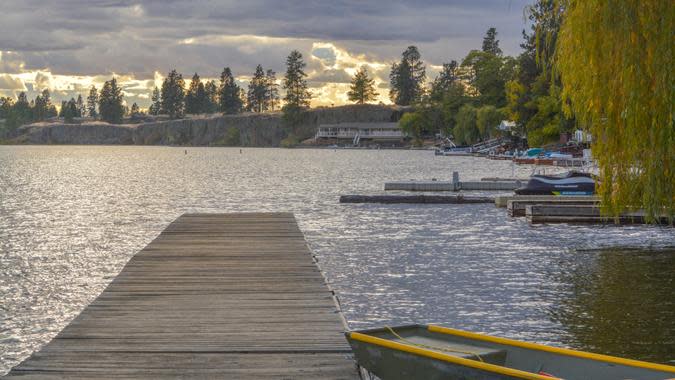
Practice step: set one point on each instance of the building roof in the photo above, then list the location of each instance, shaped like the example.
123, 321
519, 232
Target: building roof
380, 125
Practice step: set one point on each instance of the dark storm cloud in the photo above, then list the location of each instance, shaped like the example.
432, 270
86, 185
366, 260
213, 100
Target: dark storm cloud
146, 33
99, 37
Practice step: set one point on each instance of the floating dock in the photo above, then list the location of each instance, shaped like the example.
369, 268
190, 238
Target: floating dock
502, 201
429, 199
517, 207
213, 296
580, 214
497, 184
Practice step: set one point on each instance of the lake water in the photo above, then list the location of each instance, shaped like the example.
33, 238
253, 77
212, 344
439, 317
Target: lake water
71, 216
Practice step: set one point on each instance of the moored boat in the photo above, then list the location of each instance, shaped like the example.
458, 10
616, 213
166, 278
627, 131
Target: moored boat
570, 183
434, 352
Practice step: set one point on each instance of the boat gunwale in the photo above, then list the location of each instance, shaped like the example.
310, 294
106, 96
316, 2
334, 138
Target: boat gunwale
358, 336
555, 350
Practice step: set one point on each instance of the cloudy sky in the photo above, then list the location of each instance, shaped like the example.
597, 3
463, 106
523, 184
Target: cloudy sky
68, 45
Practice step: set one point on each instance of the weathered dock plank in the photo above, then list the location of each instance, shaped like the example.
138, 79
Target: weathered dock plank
429, 199
213, 296
502, 200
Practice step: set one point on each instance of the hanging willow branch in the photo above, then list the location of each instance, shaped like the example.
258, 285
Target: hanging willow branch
615, 59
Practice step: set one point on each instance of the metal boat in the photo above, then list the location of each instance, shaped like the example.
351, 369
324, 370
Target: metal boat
435, 352
570, 183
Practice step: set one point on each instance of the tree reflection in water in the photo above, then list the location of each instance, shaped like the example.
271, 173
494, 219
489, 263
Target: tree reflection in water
621, 302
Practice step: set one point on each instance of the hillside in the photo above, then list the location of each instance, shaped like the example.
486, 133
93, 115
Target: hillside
207, 130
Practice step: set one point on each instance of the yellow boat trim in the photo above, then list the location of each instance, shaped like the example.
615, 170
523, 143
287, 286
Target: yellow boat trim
555, 350
449, 358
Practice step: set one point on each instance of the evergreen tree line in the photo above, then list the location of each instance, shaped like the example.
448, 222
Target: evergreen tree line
225, 96
469, 99
21, 111
108, 105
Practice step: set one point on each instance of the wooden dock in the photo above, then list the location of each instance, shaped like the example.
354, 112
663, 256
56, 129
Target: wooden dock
485, 184
213, 296
424, 199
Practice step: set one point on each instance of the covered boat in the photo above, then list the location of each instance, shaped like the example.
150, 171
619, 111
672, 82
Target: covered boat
570, 183
434, 352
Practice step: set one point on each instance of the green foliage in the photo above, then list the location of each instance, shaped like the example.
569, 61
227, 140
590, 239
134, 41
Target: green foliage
229, 93
290, 141
491, 43
362, 88
196, 98
407, 78
173, 95
232, 137
453, 99
487, 120
92, 101
532, 96
488, 73
413, 124
256, 97
110, 101
295, 84
446, 78
466, 131
616, 64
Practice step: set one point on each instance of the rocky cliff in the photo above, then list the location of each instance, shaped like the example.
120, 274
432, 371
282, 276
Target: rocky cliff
245, 129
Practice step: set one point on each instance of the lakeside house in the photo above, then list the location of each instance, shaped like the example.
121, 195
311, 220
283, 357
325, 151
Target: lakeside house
506, 125
355, 132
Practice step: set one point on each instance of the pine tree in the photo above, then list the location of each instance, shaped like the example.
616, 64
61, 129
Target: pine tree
92, 101
42, 107
70, 110
156, 106
195, 99
491, 43
362, 89
295, 84
444, 80
211, 97
38, 109
229, 93
173, 95
110, 102
407, 78
80, 106
6, 104
134, 110
21, 111
272, 96
256, 98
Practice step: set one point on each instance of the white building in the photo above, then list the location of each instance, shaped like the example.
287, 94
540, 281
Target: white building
358, 131
506, 125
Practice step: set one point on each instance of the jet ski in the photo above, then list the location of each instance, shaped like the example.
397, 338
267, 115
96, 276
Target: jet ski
570, 183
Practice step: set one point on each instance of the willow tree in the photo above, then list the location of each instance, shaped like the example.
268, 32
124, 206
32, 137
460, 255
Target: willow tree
615, 59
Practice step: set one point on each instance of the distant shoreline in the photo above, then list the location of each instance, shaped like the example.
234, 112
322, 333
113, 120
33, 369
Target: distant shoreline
242, 130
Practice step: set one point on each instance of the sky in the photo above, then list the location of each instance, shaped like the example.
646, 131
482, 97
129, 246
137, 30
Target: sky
68, 45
